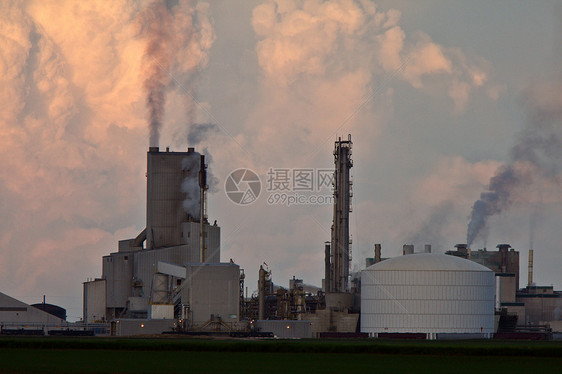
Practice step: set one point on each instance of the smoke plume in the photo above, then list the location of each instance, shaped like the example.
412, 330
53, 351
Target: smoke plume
198, 133
190, 185
177, 40
431, 229
536, 155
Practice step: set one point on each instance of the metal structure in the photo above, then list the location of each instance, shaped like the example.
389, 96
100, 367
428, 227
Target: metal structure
337, 265
203, 187
427, 293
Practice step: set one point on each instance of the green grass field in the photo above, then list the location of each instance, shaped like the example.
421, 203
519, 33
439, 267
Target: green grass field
99, 355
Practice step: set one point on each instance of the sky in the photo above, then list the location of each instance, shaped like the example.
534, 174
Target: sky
454, 109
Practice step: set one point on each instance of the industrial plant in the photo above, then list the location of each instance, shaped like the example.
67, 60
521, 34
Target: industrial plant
170, 279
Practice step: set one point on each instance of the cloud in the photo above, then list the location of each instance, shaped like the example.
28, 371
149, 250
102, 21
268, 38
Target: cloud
73, 134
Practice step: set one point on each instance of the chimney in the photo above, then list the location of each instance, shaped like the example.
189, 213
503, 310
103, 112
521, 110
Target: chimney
503, 249
408, 249
462, 250
377, 253
530, 281
327, 266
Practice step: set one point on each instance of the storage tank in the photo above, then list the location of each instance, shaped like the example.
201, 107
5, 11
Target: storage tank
427, 293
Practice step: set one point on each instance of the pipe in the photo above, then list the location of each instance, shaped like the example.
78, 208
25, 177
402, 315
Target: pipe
261, 292
530, 280
203, 213
327, 267
498, 292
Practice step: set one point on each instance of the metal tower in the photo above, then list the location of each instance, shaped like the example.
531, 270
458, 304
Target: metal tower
340, 254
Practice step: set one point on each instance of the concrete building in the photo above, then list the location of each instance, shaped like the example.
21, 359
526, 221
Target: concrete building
503, 261
427, 293
543, 306
172, 268
212, 291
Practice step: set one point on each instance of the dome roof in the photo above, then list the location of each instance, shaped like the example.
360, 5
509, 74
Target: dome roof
428, 262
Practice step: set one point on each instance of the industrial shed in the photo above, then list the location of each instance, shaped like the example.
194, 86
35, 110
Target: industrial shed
427, 293
15, 314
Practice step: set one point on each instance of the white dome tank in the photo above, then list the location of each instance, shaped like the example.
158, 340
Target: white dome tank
427, 293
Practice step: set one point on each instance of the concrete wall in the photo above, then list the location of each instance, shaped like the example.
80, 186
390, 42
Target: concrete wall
166, 172
191, 232
493, 260
130, 327
541, 308
117, 270
327, 320
94, 301
508, 287
286, 329
212, 289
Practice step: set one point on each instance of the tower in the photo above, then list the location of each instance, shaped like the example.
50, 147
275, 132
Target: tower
340, 251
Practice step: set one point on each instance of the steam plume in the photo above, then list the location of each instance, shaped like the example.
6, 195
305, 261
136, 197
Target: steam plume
159, 56
198, 133
431, 230
537, 154
177, 40
190, 185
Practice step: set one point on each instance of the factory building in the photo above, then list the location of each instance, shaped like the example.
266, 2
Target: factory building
172, 269
543, 306
17, 316
428, 294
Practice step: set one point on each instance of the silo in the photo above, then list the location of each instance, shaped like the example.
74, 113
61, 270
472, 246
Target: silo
427, 293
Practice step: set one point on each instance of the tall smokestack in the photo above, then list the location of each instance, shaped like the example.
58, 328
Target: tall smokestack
327, 267
530, 280
340, 248
203, 205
